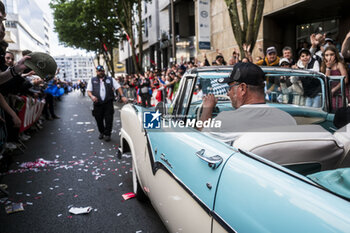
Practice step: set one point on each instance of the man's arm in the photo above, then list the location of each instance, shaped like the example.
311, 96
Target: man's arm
120, 91
3, 104
89, 91
209, 103
14, 71
345, 48
117, 86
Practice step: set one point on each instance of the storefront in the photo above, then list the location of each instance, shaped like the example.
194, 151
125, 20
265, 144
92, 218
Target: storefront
293, 25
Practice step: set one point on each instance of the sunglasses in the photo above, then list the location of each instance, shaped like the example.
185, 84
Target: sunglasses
100, 68
228, 88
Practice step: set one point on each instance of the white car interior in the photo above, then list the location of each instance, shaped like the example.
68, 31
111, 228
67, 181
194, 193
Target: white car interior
343, 136
299, 144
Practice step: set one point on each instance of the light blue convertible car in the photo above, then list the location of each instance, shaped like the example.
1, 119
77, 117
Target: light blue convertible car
290, 179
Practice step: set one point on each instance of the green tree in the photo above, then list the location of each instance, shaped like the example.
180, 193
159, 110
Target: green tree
246, 34
126, 11
86, 24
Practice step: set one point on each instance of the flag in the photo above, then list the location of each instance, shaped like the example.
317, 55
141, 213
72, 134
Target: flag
105, 47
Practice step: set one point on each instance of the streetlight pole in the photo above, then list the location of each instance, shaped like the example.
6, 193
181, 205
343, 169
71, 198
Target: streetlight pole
173, 30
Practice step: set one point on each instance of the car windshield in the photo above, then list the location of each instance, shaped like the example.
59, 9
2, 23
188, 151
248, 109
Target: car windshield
280, 88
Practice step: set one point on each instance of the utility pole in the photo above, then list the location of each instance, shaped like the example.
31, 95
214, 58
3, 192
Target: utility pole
173, 31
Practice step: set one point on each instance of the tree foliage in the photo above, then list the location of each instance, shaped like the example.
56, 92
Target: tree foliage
246, 34
88, 24
126, 11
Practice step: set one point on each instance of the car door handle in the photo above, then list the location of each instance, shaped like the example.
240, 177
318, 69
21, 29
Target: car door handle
213, 161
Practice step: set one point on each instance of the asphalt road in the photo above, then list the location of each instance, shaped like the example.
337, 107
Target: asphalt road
79, 171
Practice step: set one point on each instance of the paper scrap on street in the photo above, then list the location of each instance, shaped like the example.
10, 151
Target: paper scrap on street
80, 210
14, 207
127, 196
90, 130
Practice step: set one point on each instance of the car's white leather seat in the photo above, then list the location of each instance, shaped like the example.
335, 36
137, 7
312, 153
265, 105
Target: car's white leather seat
294, 145
343, 136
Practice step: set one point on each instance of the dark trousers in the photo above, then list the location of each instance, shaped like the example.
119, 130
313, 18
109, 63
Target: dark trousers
103, 114
48, 107
146, 97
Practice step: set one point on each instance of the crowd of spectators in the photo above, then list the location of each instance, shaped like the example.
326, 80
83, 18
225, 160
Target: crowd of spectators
321, 55
26, 100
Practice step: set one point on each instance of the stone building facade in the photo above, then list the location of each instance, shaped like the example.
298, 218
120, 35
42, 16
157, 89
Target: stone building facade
284, 23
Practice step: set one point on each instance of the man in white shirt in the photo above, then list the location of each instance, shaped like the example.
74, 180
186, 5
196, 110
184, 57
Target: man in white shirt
246, 92
101, 91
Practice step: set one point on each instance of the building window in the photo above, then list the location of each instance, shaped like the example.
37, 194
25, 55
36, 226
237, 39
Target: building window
10, 24
146, 27
150, 21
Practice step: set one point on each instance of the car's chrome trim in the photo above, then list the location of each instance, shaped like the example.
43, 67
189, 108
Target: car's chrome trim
222, 222
136, 110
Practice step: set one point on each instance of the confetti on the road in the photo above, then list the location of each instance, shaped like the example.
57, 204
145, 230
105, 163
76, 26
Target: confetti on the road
127, 196
59, 215
29, 203
120, 184
60, 194
80, 210
90, 130
39, 193
80, 180
126, 156
119, 214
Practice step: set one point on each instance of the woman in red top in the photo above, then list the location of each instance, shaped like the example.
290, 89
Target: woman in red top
333, 65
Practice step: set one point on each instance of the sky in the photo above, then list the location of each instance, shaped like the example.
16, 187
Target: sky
55, 48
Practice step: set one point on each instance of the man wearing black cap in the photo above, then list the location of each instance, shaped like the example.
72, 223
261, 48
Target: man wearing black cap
101, 91
246, 92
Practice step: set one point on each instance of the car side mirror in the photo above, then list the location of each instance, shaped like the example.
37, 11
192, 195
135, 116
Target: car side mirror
162, 108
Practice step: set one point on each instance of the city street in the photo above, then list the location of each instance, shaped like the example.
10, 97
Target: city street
78, 170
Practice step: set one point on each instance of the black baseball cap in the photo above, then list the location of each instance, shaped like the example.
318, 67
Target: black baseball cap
304, 50
248, 73
329, 40
219, 56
